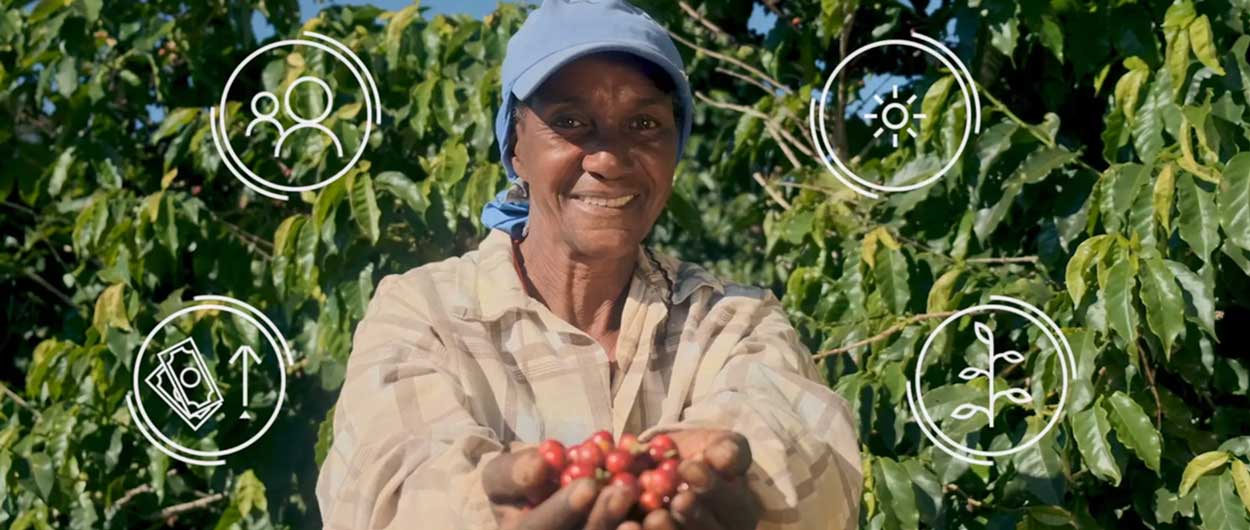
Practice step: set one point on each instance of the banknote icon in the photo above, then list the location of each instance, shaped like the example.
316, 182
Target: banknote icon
182, 380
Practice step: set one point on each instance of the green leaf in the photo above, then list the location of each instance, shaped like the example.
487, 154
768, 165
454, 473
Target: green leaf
1164, 196
41, 470
1177, 58
1080, 264
67, 76
1051, 36
1003, 35
110, 310
1121, 315
891, 277
249, 493
404, 189
1240, 49
325, 438
1241, 480
1218, 505
1179, 15
1202, 42
1147, 127
1234, 200
174, 122
1197, 219
1041, 465
90, 225
898, 499
450, 166
1200, 300
395, 31
284, 239
1199, 466
944, 290
1133, 428
364, 204
60, 172
1042, 162
932, 104
1090, 428
1163, 301
1128, 92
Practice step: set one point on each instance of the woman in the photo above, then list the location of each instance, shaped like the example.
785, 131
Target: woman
562, 323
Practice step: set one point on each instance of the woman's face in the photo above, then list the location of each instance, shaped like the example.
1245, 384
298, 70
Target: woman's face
598, 146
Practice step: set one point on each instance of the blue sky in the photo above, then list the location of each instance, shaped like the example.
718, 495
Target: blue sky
761, 20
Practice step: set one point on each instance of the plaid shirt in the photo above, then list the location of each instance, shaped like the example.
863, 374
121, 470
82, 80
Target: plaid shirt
454, 361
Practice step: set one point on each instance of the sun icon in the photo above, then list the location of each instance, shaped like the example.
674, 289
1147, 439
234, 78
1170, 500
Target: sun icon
900, 110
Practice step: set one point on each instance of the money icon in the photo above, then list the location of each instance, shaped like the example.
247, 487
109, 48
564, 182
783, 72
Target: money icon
182, 380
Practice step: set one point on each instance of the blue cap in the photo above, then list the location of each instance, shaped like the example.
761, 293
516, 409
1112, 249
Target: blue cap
555, 34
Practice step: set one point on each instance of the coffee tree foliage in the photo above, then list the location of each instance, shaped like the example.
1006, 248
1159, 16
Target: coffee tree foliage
1109, 186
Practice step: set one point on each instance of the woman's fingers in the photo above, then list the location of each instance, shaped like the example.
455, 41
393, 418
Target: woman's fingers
611, 508
630, 525
689, 511
730, 502
659, 520
729, 455
565, 510
515, 478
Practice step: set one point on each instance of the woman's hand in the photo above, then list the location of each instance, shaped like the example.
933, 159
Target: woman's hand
516, 480
714, 464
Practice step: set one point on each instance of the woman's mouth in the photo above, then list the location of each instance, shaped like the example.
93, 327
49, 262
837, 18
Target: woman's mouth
616, 202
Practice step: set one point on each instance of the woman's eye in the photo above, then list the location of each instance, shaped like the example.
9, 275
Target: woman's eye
568, 122
646, 123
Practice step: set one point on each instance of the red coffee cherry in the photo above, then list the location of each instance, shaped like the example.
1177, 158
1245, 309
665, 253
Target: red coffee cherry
603, 439
650, 502
618, 461
553, 454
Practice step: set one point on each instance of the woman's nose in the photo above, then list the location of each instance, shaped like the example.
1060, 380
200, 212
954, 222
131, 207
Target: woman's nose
608, 156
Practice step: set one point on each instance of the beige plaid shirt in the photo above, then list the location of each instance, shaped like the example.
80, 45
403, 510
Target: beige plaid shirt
454, 361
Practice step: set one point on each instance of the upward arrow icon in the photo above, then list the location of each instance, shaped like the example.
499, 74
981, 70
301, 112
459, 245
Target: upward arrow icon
246, 352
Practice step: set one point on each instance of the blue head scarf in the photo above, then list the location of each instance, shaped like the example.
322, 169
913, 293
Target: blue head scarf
555, 34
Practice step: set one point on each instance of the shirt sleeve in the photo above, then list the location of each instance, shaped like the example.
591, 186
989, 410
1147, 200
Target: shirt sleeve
806, 469
407, 452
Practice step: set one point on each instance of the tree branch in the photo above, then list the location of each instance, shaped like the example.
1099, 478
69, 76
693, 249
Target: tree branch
64, 298
4, 389
769, 120
702, 20
883, 335
1154, 388
839, 118
771, 192
731, 60
999, 261
200, 503
747, 78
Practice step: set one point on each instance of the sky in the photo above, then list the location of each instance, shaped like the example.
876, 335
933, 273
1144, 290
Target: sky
761, 20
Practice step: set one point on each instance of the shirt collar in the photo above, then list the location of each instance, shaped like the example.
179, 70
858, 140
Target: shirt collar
496, 288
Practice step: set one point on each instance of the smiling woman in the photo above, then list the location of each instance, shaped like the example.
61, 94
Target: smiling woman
563, 322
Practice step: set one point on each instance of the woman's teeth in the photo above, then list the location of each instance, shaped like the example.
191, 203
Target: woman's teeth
617, 202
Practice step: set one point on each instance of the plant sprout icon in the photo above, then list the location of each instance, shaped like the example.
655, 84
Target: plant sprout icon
1015, 395
905, 116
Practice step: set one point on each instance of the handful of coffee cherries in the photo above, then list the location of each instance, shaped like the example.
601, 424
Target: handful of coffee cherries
650, 468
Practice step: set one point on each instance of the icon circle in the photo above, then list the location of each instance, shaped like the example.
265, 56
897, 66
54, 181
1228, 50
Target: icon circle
344, 56
820, 135
1067, 370
278, 344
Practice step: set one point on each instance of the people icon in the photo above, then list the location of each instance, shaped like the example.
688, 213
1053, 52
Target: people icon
267, 117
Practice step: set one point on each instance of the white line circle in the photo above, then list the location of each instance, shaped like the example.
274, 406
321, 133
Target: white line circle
822, 139
286, 98
233, 160
273, 343
1062, 349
